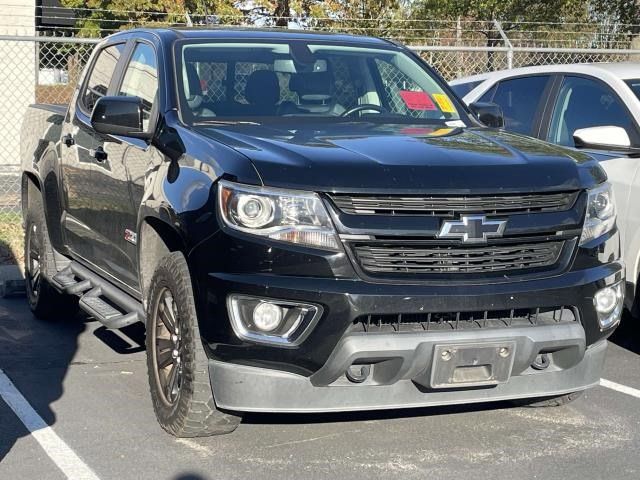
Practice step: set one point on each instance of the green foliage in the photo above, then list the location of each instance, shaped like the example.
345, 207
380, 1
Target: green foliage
626, 12
510, 10
101, 17
377, 17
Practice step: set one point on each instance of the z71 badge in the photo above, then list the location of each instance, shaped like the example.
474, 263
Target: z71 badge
130, 236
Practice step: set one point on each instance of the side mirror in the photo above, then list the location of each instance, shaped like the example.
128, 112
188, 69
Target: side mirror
602, 138
488, 113
119, 116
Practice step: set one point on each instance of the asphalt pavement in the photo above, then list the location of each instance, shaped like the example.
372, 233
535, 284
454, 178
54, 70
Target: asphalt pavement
84, 394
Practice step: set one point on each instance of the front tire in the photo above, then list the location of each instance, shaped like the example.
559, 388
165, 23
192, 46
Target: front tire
176, 361
45, 302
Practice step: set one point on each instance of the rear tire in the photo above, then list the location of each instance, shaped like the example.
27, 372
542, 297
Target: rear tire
176, 361
557, 401
45, 302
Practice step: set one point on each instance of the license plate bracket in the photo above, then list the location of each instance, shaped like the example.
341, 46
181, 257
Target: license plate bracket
472, 364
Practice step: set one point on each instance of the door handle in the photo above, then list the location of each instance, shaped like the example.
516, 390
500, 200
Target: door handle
68, 140
99, 154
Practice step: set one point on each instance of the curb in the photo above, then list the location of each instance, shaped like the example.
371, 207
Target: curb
11, 281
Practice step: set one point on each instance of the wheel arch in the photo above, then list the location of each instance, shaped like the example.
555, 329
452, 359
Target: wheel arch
29, 182
157, 239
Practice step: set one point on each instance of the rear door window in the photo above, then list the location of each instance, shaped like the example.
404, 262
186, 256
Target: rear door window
101, 75
520, 99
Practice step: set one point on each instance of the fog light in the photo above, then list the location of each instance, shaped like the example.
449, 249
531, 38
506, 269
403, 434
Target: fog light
605, 300
269, 320
608, 302
267, 316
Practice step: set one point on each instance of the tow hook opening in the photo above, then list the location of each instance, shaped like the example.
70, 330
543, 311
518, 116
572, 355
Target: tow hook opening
541, 362
358, 373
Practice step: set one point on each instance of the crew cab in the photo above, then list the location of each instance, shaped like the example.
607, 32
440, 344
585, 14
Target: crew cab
594, 107
315, 222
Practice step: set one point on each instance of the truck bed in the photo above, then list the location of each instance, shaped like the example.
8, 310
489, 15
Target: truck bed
41, 128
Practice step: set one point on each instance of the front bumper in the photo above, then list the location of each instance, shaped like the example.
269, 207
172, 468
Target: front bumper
345, 300
254, 389
312, 376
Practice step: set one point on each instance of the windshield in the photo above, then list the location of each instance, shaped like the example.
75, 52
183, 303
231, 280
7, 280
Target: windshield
634, 85
242, 80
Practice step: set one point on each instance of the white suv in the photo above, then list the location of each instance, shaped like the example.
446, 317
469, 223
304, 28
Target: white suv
590, 106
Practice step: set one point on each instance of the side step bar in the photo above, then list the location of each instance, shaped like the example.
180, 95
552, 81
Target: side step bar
99, 298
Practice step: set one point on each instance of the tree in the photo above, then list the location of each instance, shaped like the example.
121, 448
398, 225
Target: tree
506, 10
282, 13
620, 16
364, 17
101, 17
626, 12
511, 13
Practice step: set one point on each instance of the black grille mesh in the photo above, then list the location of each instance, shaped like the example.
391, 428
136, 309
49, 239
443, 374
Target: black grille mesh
438, 321
392, 259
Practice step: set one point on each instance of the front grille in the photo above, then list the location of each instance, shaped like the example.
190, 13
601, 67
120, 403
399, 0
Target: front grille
450, 206
393, 259
438, 321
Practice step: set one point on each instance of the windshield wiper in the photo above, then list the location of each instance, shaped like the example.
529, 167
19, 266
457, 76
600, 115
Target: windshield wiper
225, 122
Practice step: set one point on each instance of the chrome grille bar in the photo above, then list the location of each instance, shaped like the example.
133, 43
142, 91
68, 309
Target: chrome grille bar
450, 206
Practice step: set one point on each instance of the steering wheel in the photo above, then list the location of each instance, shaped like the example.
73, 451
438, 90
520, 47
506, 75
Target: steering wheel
362, 108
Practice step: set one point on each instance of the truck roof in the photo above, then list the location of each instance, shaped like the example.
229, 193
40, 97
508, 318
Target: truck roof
248, 33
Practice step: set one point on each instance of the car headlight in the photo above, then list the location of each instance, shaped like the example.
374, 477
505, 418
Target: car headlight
601, 213
287, 216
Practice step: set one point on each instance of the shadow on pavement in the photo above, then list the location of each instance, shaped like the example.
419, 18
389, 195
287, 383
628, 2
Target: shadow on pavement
627, 335
35, 355
124, 341
342, 417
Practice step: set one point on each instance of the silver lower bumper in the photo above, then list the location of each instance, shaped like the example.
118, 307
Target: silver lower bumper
400, 376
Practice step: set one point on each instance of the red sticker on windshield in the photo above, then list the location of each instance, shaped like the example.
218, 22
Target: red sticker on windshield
417, 100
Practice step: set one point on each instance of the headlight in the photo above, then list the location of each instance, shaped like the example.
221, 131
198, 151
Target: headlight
601, 213
294, 217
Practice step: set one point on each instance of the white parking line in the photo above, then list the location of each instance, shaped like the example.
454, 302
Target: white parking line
53, 445
620, 388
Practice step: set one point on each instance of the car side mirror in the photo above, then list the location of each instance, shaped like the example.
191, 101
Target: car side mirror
488, 113
119, 116
602, 138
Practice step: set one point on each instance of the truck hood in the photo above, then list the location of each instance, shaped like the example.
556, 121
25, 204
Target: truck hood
363, 156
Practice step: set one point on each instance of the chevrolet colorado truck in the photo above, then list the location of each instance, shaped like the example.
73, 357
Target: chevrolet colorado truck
315, 222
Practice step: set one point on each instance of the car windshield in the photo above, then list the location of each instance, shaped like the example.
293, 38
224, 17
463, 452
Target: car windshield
634, 85
220, 81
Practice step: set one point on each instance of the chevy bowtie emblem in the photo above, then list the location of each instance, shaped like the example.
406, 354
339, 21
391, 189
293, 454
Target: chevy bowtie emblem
472, 228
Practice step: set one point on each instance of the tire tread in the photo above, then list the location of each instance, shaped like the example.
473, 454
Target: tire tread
195, 414
49, 304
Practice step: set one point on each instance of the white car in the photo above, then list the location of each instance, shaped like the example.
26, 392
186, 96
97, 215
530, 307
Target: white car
595, 107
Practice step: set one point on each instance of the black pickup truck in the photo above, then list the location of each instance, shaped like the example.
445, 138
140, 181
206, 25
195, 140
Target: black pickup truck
314, 222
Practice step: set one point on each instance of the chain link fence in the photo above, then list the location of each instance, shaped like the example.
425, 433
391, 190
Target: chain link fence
46, 70
32, 70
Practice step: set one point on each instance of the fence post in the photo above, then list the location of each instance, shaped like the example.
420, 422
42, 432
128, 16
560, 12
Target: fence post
507, 43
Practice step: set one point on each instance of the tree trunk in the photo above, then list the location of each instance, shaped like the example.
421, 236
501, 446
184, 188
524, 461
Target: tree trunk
282, 13
493, 40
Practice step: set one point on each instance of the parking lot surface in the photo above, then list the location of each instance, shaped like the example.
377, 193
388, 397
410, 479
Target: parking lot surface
89, 386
